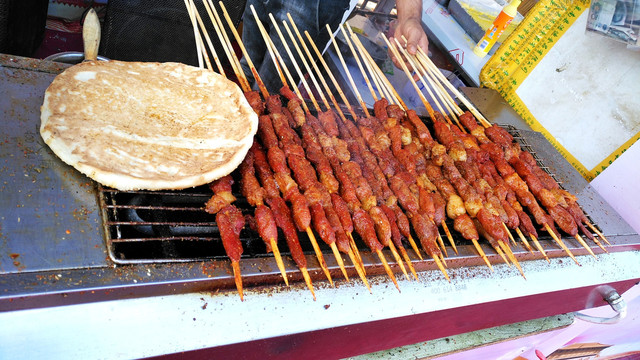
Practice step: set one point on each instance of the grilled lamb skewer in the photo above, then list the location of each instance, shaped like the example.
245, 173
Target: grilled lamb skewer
230, 222
282, 214
265, 221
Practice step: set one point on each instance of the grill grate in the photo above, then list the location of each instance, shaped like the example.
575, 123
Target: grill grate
172, 226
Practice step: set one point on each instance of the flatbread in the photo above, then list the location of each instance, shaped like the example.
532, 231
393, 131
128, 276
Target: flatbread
135, 125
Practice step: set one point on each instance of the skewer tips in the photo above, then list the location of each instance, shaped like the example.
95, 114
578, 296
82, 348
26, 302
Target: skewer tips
307, 280
237, 278
387, 268
278, 257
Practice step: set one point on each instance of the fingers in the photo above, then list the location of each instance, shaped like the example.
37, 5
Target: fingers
415, 36
409, 30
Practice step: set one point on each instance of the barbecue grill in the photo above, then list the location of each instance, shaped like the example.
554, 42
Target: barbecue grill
66, 240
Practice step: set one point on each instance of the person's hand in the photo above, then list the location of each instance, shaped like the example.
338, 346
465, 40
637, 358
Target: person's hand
409, 26
411, 29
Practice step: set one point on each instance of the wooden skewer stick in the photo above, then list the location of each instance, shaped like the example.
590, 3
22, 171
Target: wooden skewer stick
226, 45
355, 56
277, 60
333, 79
422, 55
443, 260
316, 249
367, 63
501, 253
446, 99
481, 253
384, 86
209, 43
559, 241
426, 84
396, 53
449, 102
373, 69
426, 61
294, 62
524, 240
403, 251
439, 90
441, 242
196, 33
600, 245
448, 233
237, 277
512, 257
256, 76
356, 252
439, 264
359, 270
387, 268
306, 66
354, 88
539, 247
307, 280
509, 233
590, 225
414, 246
396, 256
584, 245
318, 72
338, 257
436, 80
278, 257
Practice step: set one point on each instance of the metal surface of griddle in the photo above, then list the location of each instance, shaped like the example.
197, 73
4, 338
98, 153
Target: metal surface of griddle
64, 239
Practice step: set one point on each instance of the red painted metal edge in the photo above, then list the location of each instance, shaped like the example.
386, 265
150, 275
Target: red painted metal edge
352, 340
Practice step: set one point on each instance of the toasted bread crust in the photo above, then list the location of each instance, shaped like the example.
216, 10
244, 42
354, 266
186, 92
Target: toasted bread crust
133, 125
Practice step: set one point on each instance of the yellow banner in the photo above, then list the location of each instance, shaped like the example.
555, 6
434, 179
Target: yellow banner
522, 51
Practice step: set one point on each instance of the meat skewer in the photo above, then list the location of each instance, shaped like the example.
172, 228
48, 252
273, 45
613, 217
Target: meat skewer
281, 213
384, 118
524, 195
344, 99
354, 132
549, 182
560, 215
331, 216
460, 221
427, 66
355, 258
300, 205
370, 242
326, 176
556, 215
265, 221
486, 217
230, 222
383, 193
330, 209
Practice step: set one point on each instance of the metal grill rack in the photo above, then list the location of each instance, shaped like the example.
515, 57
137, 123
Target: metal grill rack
172, 226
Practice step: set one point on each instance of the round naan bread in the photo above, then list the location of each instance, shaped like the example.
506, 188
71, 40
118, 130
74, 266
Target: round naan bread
135, 125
